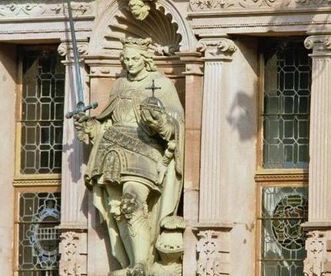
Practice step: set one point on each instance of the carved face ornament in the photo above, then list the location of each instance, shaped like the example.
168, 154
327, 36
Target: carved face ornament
139, 9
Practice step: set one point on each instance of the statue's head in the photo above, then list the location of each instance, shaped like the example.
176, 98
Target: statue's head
139, 8
135, 56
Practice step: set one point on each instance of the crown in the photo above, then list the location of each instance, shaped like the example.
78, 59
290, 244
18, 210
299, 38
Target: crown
138, 43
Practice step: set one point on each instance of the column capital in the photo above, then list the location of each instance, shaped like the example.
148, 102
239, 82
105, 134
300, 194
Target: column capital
217, 48
320, 44
65, 49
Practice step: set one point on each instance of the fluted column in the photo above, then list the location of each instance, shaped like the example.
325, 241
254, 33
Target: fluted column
318, 261
212, 227
212, 199
73, 246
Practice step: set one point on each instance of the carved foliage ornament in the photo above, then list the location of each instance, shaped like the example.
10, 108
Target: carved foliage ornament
39, 8
197, 5
316, 254
209, 251
69, 254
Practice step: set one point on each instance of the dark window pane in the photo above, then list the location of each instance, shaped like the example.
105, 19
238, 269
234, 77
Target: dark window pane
286, 113
42, 105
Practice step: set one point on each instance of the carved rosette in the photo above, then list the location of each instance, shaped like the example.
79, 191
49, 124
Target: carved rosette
320, 44
212, 258
222, 49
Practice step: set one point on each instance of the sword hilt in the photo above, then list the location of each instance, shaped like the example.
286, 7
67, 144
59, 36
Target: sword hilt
81, 107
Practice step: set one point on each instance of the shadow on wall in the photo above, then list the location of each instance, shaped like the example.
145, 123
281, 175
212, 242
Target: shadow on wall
240, 116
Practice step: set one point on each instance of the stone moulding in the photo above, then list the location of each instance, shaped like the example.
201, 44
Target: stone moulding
36, 182
205, 5
38, 8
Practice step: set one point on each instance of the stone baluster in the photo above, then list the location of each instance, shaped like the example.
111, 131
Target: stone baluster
212, 227
318, 244
73, 246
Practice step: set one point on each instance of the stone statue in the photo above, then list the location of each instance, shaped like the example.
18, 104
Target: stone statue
135, 165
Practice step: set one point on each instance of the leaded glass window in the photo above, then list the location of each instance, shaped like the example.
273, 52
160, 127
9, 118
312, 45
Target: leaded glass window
286, 106
284, 209
42, 111
39, 214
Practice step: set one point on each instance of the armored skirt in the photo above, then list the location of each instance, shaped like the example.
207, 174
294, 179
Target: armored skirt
128, 154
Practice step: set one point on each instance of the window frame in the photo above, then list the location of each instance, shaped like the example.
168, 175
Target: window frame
27, 183
270, 177
20, 177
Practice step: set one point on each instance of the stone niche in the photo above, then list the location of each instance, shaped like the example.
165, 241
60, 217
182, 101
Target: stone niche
171, 36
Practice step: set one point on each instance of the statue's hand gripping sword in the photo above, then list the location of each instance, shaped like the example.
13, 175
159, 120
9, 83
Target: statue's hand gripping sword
80, 106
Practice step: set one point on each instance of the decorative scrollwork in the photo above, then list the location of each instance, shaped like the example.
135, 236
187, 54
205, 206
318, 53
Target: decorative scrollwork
197, 5
38, 8
69, 253
290, 212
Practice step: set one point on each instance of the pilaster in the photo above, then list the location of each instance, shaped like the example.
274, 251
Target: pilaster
212, 198
193, 108
318, 261
212, 228
73, 227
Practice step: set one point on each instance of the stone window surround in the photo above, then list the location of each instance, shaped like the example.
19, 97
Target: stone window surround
294, 177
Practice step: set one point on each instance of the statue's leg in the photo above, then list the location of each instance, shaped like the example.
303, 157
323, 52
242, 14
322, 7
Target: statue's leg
114, 200
135, 210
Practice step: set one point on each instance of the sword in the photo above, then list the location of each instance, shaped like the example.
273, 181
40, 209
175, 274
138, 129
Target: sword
80, 106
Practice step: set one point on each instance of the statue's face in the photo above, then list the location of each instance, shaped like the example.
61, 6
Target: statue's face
133, 61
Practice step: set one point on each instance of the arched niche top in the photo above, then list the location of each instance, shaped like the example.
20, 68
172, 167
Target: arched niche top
168, 29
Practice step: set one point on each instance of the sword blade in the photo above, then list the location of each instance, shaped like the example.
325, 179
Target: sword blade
79, 83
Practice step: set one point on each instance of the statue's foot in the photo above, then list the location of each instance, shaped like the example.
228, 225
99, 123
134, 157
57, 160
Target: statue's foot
137, 270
